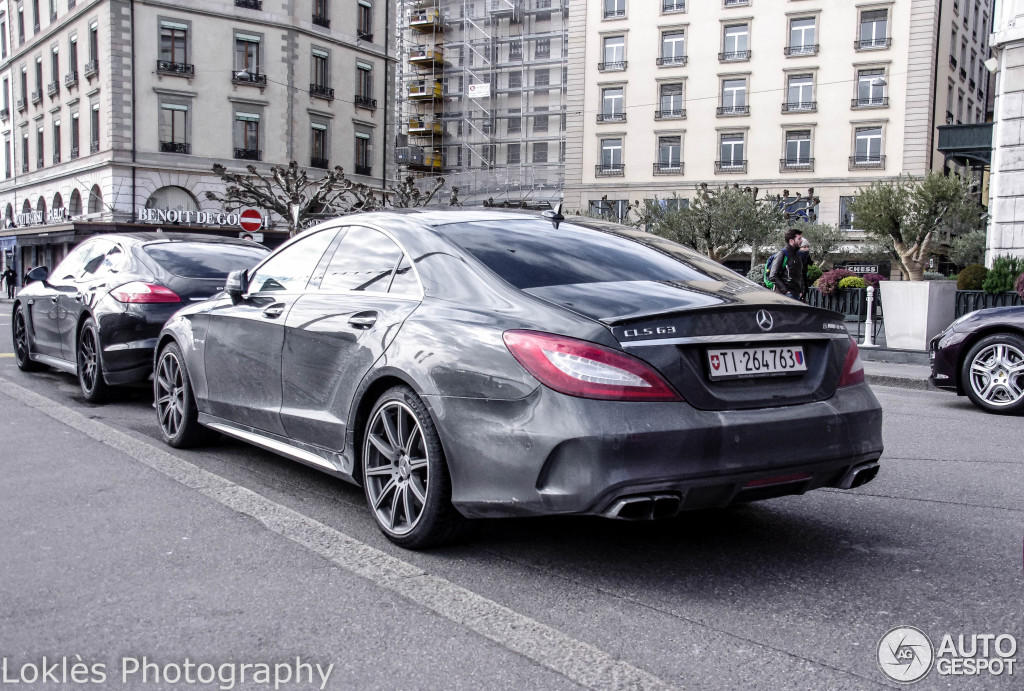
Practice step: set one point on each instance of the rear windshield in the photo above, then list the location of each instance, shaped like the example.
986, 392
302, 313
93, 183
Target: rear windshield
204, 259
533, 254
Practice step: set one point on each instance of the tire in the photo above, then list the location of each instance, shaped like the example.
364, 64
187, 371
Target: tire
19, 336
992, 374
176, 411
90, 363
405, 475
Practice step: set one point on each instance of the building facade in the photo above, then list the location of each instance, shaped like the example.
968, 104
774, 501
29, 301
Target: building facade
115, 111
774, 94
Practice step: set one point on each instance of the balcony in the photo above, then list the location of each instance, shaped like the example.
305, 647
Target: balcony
249, 4
867, 161
56, 158
24, 167
363, 170
610, 170
364, 35
872, 43
37, 97
5, 114
52, 89
794, 51
246, 77
670, 114
727, 111
611, 117
789, 165
39, 163
614, 14
53, 16
967, 144
94, 146
668, 168
248, 154
365, 102
175, 148
871, 102
734, 56
426, 57
427, 20
425, 126
730, 166
20, 105
73, 154
176, 69
91, 69
321, 20
35, 28
70, 80
673, 5
800, 107
737, 3
425, 90
321, 91
614, 66
315, 162
677, 60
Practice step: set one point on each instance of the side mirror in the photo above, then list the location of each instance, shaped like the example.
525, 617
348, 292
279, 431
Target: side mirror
40, 273
236, 285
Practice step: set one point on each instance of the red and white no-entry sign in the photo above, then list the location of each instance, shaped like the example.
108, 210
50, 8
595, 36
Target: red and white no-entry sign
250, 220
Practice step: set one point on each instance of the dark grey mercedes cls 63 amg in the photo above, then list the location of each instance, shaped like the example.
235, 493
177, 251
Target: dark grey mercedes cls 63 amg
462, 364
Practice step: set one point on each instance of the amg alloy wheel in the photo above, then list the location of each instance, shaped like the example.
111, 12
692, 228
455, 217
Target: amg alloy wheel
176, 410
19, 334
404, 473
90, 365
993, 374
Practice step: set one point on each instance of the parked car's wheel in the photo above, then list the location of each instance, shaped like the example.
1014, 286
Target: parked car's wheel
176, 410
90, 365
405, 475
19, 334
993, 374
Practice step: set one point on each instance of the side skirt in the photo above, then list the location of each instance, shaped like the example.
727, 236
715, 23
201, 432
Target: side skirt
56, 363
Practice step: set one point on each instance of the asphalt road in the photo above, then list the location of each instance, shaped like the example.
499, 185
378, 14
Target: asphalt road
115, 546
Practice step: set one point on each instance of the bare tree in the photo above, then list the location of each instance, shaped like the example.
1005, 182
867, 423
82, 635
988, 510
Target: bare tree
289, 192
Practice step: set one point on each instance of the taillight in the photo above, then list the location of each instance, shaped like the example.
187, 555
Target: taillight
853, 368
587, 370
139, 292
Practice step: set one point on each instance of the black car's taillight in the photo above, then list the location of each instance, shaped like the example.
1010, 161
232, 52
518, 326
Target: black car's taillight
853, 368
145, 293
587, 370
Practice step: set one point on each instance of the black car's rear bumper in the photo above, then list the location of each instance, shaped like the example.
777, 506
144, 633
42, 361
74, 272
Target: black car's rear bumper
128, 335
555, 454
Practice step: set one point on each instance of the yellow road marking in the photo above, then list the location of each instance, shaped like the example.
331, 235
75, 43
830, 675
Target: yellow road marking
6, 354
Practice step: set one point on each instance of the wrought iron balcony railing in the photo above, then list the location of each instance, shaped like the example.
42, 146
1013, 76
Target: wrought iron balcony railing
20, 104
73, 154
733, 110
182, 69
613, 66
870, 102
867, 161
321, 91
244, 77
175, 148
365, 102
71, 4
734, 56
70, 79
364, 35
673, 5
799, 107
24, 167
316, 162
798, 164
321, 20
612, 14
611, 117
37, 96
872, 43
672, 60
53, 88
53, 16
39, 163
5, 114
249, 4
56, 158
90, 69
610, 170
248, 154
671, 113
94, 146
363, 170
668, 168
809, 49
734, 166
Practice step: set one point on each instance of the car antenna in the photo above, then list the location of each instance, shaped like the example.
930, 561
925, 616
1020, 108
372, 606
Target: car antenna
554, 215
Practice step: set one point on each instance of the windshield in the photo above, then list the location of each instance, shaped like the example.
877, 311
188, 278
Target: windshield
204, 259
531, 253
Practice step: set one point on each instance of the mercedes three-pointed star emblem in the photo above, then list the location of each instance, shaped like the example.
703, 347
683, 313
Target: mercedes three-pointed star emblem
764, 320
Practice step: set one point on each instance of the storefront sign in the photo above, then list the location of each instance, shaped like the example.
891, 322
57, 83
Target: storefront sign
34, 218
213, 218
863, 268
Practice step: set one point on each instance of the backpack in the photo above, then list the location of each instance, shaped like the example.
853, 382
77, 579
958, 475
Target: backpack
767, 271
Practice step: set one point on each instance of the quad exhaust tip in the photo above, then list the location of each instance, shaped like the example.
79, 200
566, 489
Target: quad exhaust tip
645, 507
859, 475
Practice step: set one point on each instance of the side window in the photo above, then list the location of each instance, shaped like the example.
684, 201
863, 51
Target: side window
404, 282
290, 269
94, 260
72, 264
112, 261
364, 260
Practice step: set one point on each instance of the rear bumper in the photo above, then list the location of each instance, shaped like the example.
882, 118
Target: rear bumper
128, 337
555, 454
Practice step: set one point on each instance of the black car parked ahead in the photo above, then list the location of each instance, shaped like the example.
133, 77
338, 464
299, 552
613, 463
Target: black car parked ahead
98, 313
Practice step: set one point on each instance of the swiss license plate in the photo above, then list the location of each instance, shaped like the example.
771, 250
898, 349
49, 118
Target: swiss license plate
729, 363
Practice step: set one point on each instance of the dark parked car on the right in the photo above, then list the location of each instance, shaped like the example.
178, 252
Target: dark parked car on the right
981, 355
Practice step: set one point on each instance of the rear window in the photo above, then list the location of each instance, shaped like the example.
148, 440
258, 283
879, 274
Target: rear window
534, 254
204, 259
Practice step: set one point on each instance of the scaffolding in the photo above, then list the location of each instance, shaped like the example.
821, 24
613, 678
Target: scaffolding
481, 97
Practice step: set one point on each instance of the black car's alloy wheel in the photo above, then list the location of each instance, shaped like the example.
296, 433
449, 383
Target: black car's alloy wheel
90, 366
19, 333
405, 475
993, 373
176, 410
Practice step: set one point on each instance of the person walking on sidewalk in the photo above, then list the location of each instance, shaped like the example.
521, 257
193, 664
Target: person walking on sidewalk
9, 278
787, 272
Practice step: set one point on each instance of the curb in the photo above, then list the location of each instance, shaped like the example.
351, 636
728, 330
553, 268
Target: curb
900, 382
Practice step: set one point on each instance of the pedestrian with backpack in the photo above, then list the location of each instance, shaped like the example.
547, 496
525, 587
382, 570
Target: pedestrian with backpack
787, 271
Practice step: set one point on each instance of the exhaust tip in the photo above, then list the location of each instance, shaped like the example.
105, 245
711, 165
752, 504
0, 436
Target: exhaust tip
644, 507
859, 475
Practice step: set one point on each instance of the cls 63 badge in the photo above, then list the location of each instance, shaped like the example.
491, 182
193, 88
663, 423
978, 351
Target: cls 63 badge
654, 331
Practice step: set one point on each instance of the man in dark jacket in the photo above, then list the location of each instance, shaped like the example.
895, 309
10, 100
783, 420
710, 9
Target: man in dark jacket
9, 278
787, 272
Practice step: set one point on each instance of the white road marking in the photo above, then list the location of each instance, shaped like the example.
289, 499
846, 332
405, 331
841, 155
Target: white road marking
579, 662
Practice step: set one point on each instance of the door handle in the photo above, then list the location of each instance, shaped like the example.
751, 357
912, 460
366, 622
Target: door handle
54, 299
274, 311
363, 320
